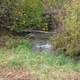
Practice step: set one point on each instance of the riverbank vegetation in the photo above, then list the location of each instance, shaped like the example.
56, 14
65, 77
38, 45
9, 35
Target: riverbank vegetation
60, 17
17, 55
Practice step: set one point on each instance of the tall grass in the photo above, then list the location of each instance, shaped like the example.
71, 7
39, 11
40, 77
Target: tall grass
20, 54
42, 66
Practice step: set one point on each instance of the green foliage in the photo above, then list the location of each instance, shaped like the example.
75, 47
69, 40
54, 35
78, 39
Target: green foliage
31, 15
12, 43
22, 55
68, 41
20, 15
71, 19
28, 14
8, 10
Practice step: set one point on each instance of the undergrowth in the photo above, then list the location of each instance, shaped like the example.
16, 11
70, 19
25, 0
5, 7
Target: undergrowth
20, 54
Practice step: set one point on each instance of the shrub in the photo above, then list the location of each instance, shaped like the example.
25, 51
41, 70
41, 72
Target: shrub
68, 41
31, 15
8, 9
18, 15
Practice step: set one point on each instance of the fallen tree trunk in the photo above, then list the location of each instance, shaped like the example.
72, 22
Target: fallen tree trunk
25, 32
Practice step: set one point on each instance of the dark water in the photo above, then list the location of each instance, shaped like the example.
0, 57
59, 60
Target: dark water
41, 43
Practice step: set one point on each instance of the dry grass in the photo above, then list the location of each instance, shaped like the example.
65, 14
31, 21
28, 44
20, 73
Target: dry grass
8, 73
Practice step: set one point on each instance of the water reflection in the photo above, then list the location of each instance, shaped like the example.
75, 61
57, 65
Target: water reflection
41, 46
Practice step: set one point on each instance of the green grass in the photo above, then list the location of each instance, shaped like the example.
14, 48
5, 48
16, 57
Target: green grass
42, 63
22, 55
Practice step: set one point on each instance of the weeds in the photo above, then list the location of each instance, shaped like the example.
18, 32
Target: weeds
41, 65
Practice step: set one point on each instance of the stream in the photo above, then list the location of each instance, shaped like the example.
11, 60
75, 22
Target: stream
41, 43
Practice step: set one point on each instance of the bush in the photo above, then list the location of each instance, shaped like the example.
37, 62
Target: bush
68, 41
8, 9
30, 17
18, 15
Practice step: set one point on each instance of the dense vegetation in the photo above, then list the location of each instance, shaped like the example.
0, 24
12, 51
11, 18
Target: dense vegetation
42, 66
48, 15
60, 17
69, 40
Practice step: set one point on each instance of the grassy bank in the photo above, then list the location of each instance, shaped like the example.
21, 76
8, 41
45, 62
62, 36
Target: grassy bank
43, 65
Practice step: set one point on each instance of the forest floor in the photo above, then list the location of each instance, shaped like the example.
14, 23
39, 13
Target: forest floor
18, 62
